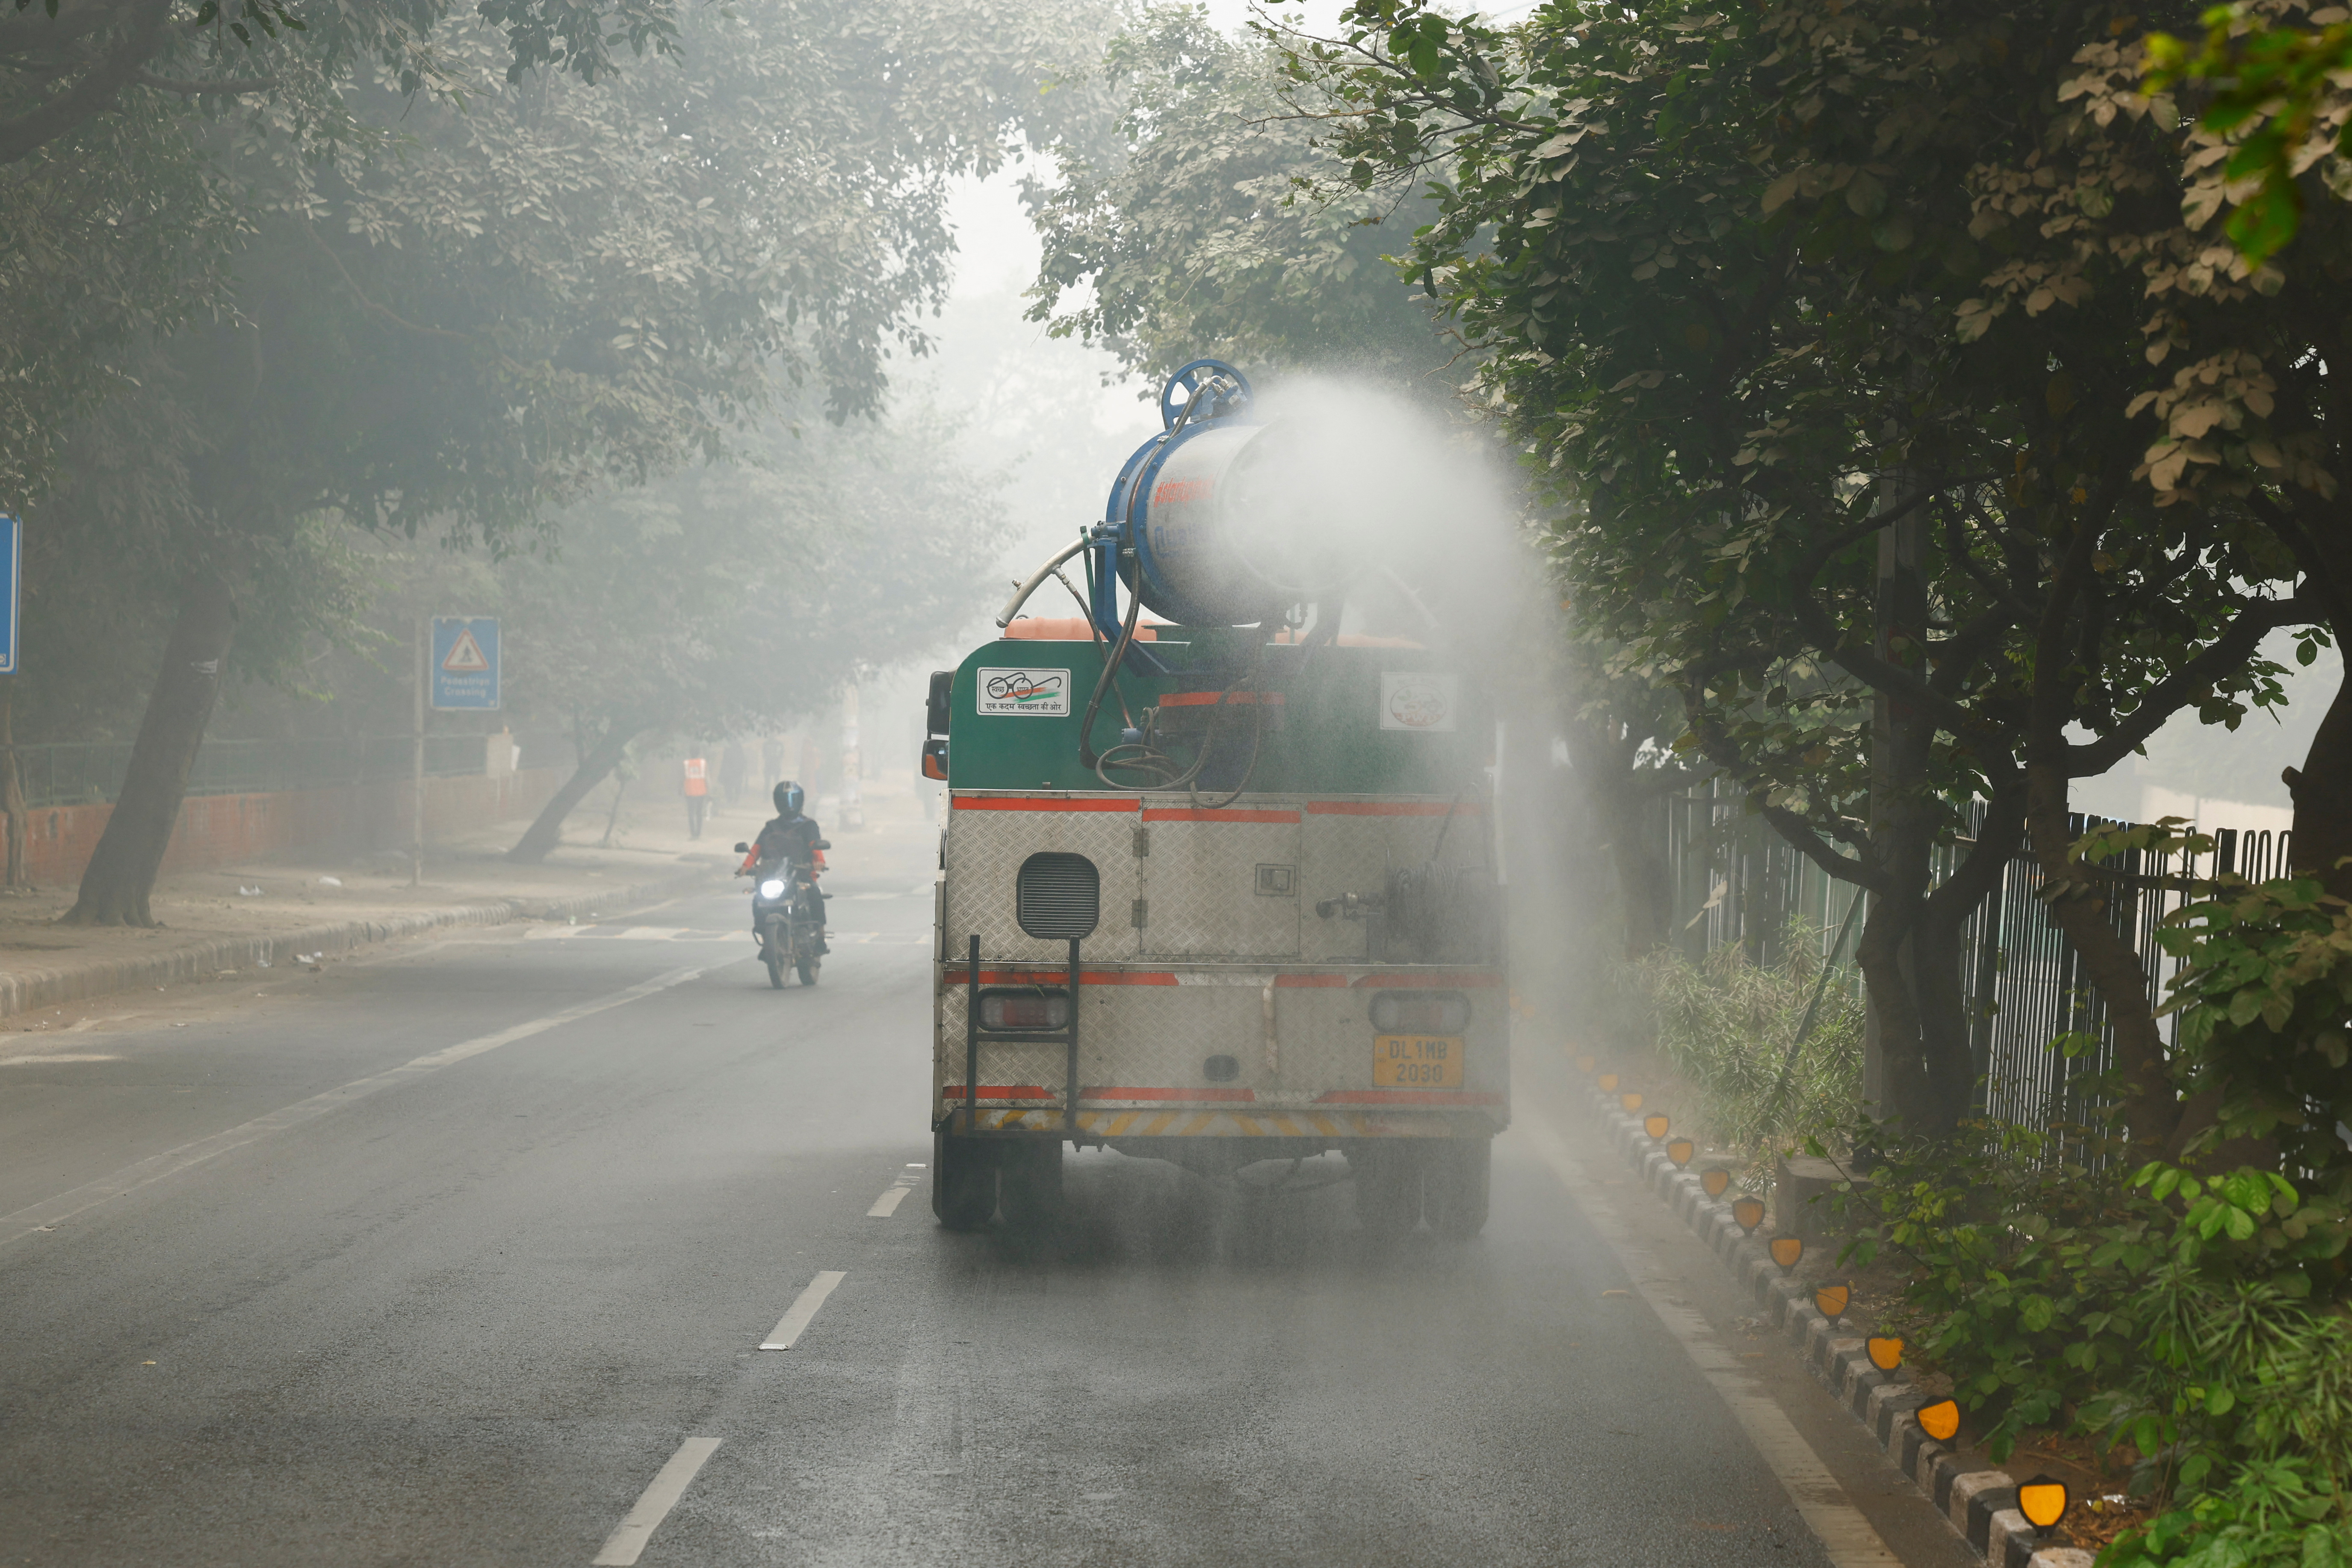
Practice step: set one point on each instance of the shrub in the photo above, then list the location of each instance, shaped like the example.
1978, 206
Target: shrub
2245, 1397
2059, 1291
2264, 997
1726, 1025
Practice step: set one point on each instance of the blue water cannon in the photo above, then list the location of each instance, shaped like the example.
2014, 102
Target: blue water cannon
1208, 400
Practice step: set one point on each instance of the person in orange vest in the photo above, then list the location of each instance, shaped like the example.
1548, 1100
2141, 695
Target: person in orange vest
698, 795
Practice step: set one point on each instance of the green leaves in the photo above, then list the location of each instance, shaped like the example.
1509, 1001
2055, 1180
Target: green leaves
1219, 222
2262, 996
2272, 87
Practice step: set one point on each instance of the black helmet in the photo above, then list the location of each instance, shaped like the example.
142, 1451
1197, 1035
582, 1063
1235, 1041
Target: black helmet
789, 797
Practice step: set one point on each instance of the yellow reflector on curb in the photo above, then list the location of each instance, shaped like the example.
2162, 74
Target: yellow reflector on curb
1680, 1150
1885, 1351
1786, 1251
1655, 1124
1748, 1212
1714, 1181
1831, 1299
1631, 1103
2043, 1501
1609, 1083
1584, 1064
1940, 1420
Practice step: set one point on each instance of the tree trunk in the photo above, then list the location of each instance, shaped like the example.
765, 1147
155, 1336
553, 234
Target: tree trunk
1947, 1025
121, 874
2077, 902
544, 834
1885, 958
2322, 789
12, 784
2079, 906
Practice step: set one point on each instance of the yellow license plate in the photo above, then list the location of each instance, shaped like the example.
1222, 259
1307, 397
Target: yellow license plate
1417, 1061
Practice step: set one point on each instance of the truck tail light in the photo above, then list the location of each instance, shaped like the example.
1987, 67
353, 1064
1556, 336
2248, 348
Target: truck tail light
1421, 1012
1038, 1011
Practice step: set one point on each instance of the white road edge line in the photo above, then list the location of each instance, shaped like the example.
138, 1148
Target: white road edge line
805, 1305
53, 1211
1848, 1537
661, 1494
896, 1193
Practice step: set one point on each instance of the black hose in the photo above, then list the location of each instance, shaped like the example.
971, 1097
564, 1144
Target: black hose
1088, 757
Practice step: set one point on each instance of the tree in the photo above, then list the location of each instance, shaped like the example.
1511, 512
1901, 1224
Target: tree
2278, 105
554, 289
72, 62
1718, 261
108, 239
731, 597
1204, 225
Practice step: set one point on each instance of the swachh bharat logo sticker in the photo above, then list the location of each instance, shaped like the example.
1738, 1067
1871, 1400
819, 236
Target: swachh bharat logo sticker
1411, 700
1030, 691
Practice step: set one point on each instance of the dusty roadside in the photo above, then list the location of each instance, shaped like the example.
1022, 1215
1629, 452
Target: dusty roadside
247, 923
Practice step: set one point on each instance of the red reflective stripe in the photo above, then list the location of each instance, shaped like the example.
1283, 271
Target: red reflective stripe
1174, 814
1042, 803
1388, 808
1047, 973
1406, 1097
1210, 699
961, 973
1469, 979
1000, 1091
1204, 1096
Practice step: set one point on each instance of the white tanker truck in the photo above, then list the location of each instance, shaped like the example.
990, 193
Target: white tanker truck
1222, 888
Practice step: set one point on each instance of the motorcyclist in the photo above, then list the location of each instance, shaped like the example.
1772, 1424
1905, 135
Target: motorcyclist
789, 840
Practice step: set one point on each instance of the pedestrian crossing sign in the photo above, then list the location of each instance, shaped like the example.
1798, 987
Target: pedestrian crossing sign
464, 662
466, 657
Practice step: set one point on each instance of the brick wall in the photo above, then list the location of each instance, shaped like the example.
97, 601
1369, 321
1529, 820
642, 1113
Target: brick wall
348, 820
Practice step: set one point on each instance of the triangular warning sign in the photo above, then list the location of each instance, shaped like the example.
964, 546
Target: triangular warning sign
466, 655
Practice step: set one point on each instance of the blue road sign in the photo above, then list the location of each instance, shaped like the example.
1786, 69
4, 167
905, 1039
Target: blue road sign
464, 661
12, 534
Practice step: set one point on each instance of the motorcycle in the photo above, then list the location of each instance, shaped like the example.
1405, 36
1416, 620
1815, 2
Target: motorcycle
786, 913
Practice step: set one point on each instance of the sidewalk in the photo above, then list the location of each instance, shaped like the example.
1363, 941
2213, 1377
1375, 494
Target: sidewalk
272, 912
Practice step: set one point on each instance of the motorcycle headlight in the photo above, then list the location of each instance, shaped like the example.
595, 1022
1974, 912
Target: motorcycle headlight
773, 888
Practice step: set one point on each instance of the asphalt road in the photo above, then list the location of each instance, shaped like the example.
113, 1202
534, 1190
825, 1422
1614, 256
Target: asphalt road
463, 1255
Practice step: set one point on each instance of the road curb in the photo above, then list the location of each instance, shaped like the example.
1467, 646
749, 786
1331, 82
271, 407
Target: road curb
1980, 1504
21, 990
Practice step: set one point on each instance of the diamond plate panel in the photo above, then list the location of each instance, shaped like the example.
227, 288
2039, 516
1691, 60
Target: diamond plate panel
1344, 853
1146, 1033
985, 846
1200, 880
1339, 856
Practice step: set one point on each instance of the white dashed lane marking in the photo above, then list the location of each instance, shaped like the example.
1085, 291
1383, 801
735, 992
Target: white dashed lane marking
795, 1319
623, 1547
896, 1193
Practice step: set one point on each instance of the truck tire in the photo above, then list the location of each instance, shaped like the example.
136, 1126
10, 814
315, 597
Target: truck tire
1388, 1189
1454, 1186
964, 1183
1029, 1184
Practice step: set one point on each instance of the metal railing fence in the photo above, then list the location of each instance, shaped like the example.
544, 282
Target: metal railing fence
1737, 881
